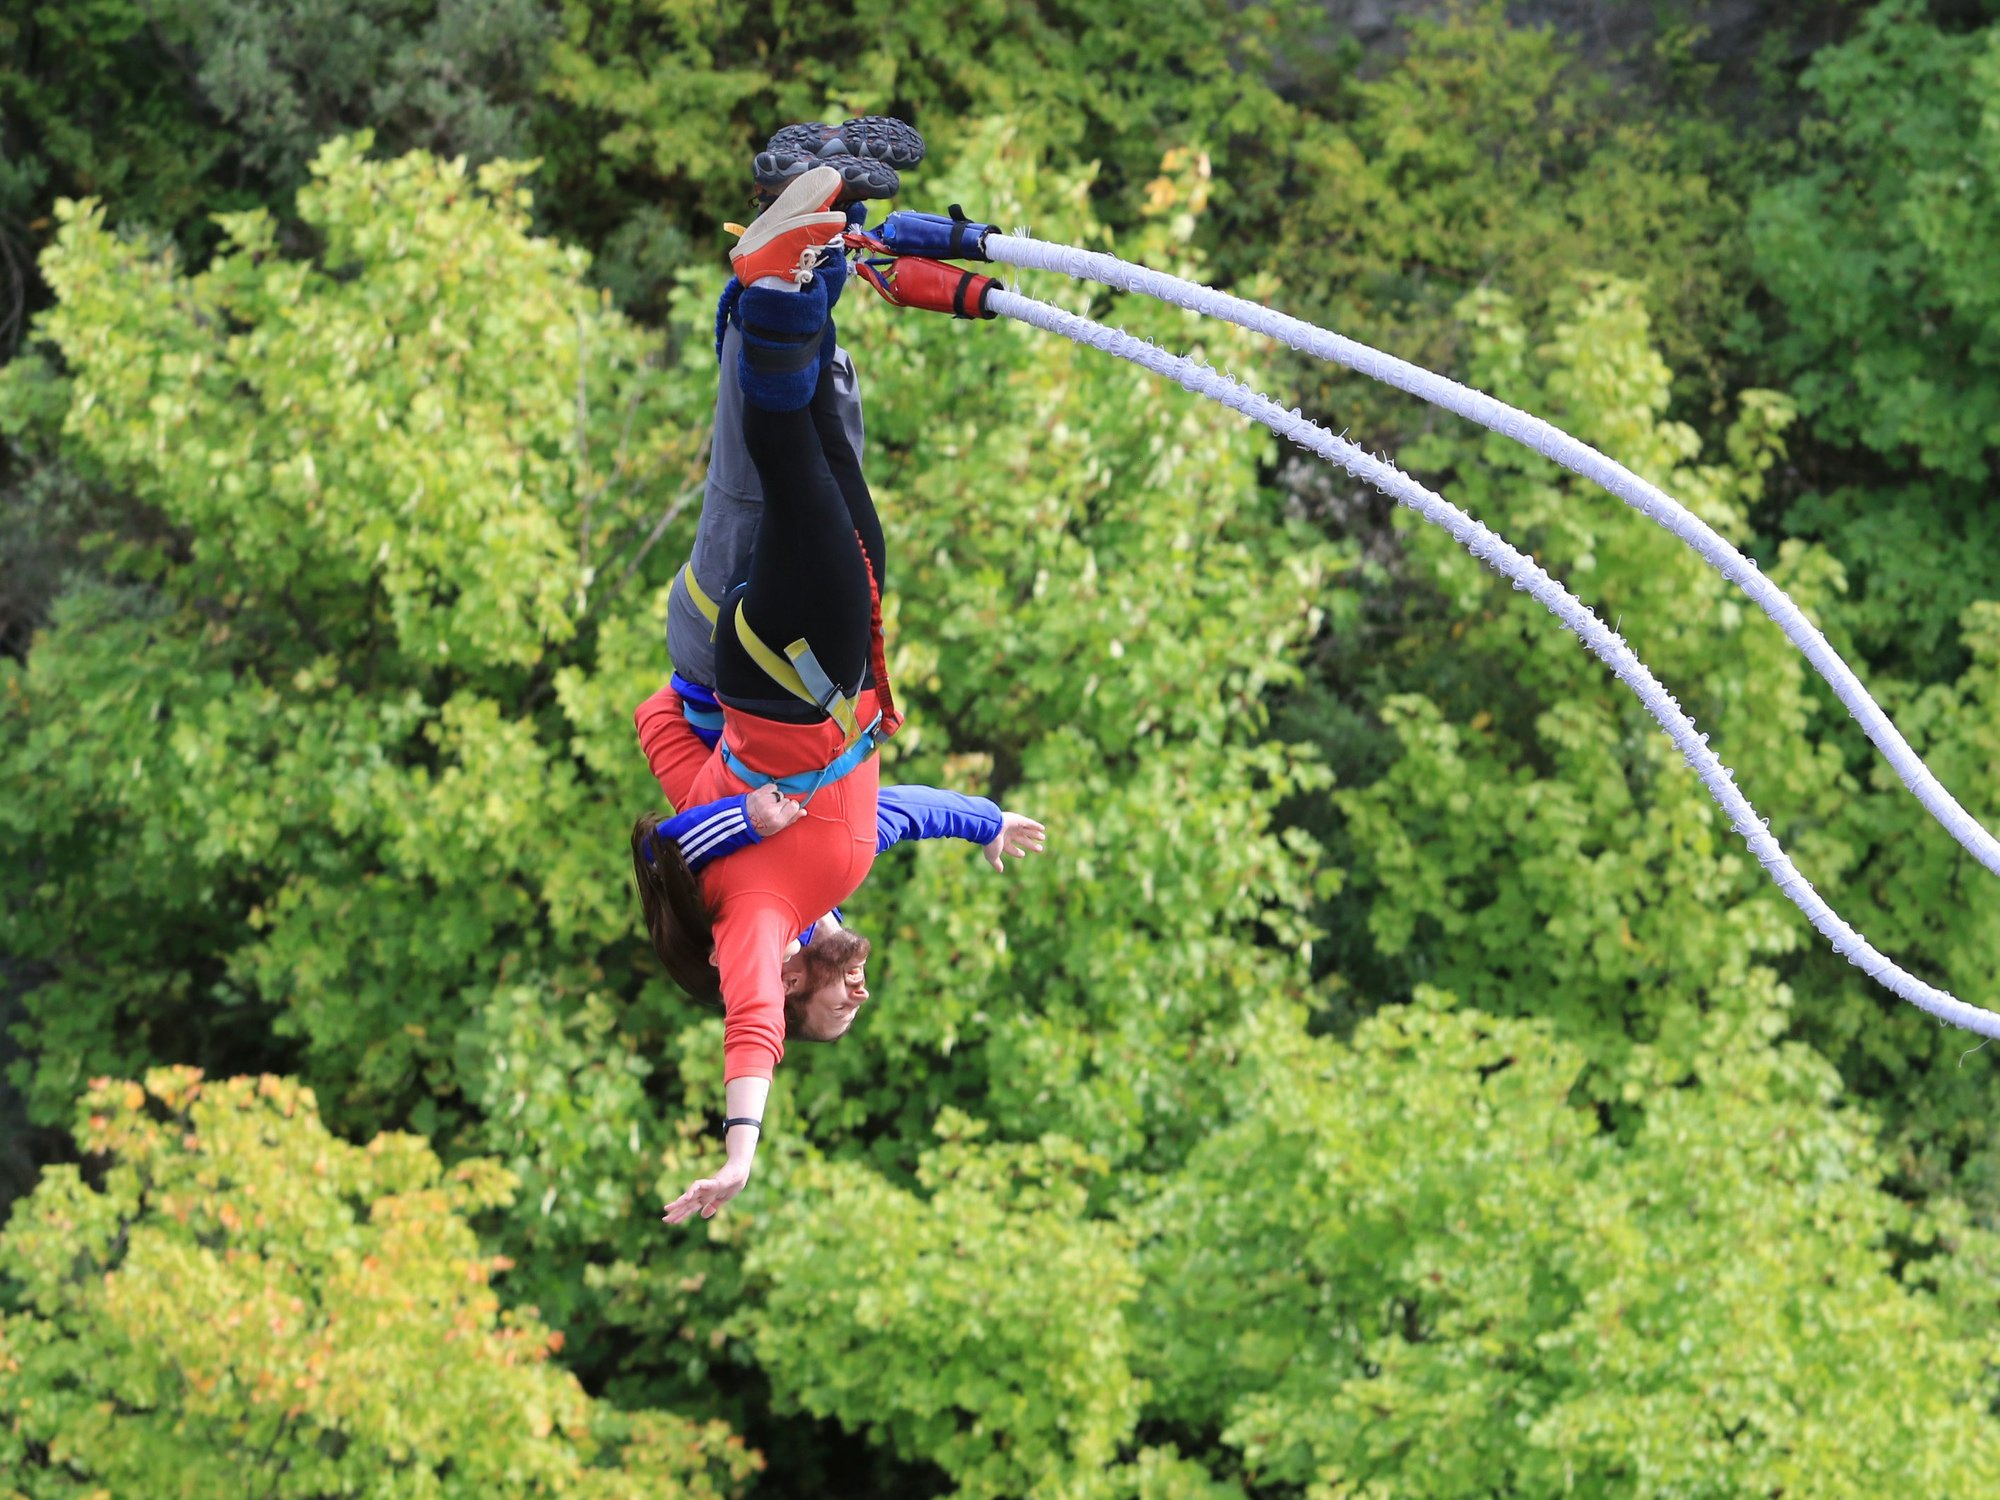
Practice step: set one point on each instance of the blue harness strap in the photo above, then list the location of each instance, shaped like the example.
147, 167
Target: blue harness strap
805, 783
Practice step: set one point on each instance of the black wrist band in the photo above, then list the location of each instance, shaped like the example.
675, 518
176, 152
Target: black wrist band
756, 1125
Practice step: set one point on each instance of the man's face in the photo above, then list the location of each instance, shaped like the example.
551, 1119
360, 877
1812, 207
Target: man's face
828, 985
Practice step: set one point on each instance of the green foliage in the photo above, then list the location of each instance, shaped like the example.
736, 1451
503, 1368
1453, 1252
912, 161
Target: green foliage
1931, 1085
1885, 325
1013, 1298
342, 781
345, 550
248, 1303
1538, 840
1536, 844
171, 111
655, 107
1916, 556
1414, 1267
1877, 250
1490, 155
92, 100
558, 1091
46, 505
683, 93
449, 76
1885, 328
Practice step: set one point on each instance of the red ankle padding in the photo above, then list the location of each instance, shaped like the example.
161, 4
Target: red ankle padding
935, 286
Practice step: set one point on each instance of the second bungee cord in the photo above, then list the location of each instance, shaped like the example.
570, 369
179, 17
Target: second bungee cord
898, 262
955, 236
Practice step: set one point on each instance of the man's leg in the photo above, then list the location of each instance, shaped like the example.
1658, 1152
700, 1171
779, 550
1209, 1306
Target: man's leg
845, 466
807, 578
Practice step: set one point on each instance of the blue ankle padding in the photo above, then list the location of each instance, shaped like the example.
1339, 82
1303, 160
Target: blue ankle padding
800, 312
942, 237
725, 306
832, 271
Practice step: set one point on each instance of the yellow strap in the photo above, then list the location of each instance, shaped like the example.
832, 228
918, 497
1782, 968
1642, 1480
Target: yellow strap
780, 669
710, 611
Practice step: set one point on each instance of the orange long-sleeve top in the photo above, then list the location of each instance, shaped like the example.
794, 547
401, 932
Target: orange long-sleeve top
765, 895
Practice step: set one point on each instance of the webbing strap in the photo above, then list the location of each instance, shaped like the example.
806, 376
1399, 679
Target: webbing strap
960, 227
771, 352
805, 783
798, 672
890, 718
707, 719
710, 610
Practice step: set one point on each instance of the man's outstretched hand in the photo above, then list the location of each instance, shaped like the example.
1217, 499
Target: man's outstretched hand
709, 1194
1019, 836
771, 811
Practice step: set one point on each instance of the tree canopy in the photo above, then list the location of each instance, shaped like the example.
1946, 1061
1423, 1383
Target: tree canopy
1395, 1080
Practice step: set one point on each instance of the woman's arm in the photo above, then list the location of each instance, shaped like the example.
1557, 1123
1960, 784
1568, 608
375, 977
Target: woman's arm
749, 940
744, 1100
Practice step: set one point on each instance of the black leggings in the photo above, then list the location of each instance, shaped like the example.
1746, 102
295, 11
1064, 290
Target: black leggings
807, 577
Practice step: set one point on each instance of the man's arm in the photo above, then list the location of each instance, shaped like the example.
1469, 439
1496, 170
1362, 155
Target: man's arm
928, 812
719, 828
712, 830
673, 750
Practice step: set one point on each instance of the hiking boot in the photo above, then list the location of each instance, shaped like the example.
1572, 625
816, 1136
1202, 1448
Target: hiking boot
868, 152
877, 137
791, 236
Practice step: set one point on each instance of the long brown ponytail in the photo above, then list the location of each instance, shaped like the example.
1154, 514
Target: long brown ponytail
677, 918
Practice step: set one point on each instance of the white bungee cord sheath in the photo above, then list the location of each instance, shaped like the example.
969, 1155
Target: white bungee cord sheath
1552, 443
1494, 551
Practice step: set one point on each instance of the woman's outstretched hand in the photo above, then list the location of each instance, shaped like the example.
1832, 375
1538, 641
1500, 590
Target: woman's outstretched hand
743, 1102
709, 1194
771, 811
1019, 836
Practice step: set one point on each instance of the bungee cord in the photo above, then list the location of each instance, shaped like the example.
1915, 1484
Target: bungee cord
1525, 574
1541, 437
